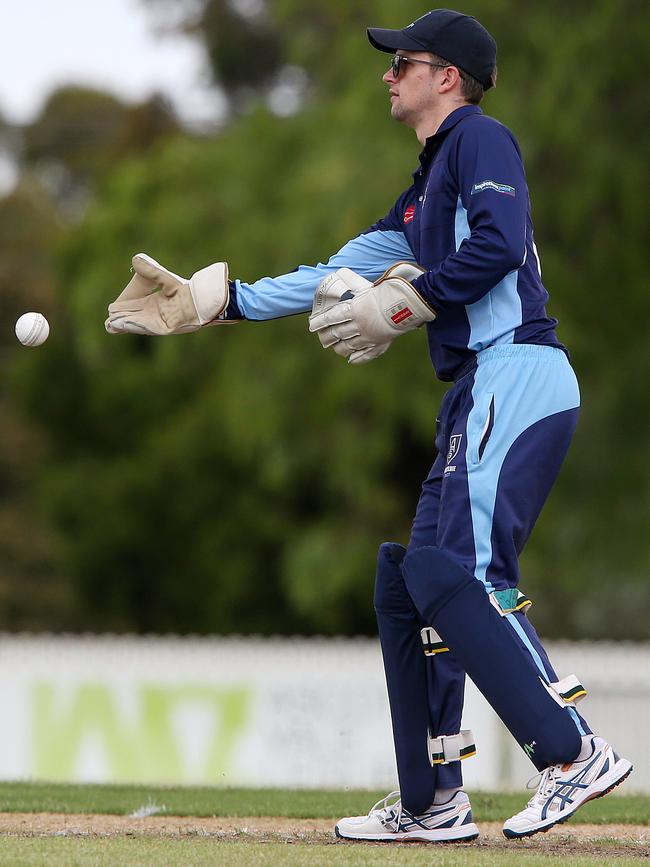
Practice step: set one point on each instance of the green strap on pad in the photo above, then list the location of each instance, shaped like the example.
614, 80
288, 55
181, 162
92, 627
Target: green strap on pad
507, 601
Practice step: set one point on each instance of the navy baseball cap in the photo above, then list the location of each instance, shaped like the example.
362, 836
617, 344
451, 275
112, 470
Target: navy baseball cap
459, 38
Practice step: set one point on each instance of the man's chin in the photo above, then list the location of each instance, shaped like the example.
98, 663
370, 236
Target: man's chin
398, 113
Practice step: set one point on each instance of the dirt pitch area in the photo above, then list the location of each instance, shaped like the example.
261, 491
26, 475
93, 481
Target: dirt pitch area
614, 840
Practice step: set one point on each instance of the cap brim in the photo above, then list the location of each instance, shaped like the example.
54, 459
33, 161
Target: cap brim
392, 40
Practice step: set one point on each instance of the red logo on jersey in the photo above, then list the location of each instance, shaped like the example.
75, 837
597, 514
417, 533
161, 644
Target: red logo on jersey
409, 214
401, 315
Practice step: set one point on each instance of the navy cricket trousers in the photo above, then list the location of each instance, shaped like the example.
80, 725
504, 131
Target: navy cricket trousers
502, 433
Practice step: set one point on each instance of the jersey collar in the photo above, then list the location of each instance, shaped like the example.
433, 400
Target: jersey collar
452, 119
448, 123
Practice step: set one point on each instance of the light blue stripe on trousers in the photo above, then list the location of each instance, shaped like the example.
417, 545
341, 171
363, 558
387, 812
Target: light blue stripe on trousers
525, 384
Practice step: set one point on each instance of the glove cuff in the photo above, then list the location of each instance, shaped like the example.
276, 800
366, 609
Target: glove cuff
410, 310
408, 270
210, 291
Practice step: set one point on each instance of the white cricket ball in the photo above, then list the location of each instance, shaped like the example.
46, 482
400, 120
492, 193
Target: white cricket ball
32, 329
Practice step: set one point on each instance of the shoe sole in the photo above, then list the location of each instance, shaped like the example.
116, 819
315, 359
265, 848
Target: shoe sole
624, 767
444, 835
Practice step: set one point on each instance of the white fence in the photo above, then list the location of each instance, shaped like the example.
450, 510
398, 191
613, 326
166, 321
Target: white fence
262, 712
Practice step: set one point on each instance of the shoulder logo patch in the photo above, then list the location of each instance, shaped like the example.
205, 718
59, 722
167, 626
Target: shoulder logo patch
409, 214
506, 189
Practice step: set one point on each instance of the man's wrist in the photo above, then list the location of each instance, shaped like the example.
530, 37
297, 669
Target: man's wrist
232, 313
423, 288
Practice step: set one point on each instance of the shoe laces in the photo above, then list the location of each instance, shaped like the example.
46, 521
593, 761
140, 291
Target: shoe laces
392, 802
545, 787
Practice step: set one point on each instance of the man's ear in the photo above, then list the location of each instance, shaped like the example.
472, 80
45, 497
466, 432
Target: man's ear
451, 75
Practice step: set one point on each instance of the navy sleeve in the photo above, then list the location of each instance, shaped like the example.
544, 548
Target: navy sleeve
491, 216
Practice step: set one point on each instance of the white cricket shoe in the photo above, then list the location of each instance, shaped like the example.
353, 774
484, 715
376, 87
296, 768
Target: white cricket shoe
389, 821
565, 788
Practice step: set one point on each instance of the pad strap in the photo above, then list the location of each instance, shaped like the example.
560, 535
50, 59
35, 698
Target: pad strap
507, 601
432, 642
567, 691
451, 748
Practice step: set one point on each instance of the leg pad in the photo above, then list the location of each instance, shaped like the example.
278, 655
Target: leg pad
492, 653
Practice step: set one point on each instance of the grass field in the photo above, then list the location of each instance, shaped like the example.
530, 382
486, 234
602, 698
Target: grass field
132, 825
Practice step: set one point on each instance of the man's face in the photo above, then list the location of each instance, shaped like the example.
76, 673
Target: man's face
414, 93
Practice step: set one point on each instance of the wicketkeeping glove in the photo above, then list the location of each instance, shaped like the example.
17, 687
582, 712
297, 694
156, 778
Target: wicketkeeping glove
359, 320
157, 301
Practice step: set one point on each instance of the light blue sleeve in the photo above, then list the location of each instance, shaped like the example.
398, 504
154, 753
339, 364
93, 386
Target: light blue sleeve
368, 255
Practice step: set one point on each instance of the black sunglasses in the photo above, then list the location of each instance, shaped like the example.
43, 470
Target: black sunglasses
397, 61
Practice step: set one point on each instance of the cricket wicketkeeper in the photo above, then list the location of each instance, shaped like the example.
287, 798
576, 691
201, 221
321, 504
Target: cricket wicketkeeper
456, 256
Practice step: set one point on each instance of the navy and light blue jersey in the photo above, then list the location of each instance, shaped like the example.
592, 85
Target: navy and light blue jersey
466, 220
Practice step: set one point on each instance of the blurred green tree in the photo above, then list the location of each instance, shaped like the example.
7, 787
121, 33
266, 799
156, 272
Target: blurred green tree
64, 154
30, 589
81, 133
244, 44
241, 479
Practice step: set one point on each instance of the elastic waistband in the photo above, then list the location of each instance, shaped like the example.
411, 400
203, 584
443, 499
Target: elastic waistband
512, 350
521, 350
